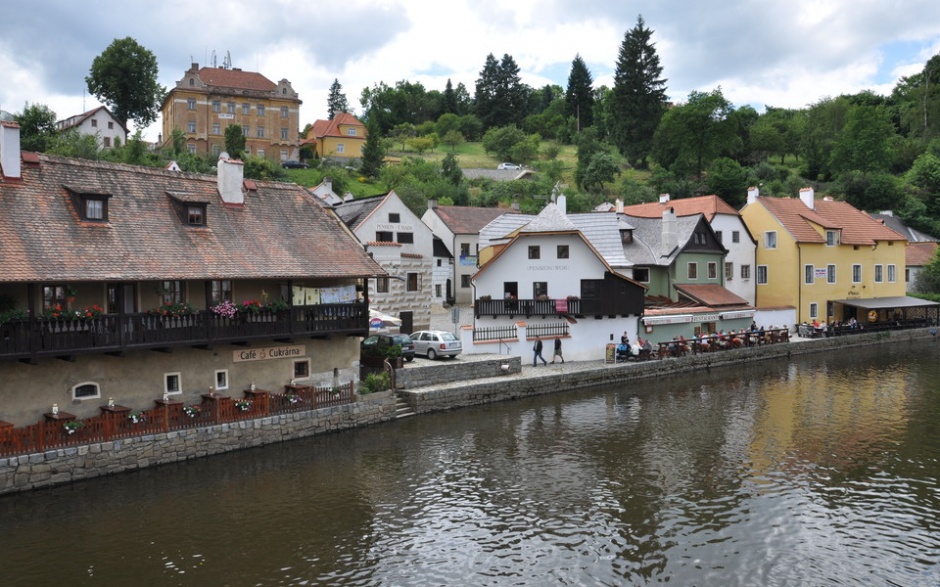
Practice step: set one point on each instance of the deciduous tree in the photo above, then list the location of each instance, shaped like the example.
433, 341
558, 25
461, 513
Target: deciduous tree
38, 130
124, 78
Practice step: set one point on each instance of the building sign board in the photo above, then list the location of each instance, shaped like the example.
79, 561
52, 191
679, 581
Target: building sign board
271, 352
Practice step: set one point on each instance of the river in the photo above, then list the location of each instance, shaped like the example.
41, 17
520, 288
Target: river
821, 470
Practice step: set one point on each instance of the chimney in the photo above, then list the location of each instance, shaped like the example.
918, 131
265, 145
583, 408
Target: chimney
752, 194
663, 198
10, 159
562, 204
618, 205
670, 232
808, 197
432, 204
231, 176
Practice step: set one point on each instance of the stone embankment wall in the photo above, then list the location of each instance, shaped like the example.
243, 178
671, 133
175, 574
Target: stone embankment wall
66, 465
446, 371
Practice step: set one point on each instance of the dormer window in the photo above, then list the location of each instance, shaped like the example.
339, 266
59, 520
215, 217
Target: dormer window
832, 238
190, 208
196, 214
626, 237
96, 208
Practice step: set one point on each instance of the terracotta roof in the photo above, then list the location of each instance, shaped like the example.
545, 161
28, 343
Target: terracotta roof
469, 219
279, 232
711, 294
920, 254
705, 205
330, 128
235, 78
857, 228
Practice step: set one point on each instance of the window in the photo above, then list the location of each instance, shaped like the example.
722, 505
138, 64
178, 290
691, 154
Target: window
830, 273
712, 270
464, 281
302, 369
246, 109
246, 130
191, 126
729, 271
196, 215
892, 273
191, 148
562, 252
260, 109
691, 271
54, 295
216, 150
94, 123
735, 236
879, 273
383, 236
762, 275
700, 238
284, 112
831, 239
464, 249
284, 134
216, 105
216, 128
770, 240
412, 283
539, 288
86, 391
283, 155
718, 235
172, 292
856, 273
230, 107
340, 148
406, 238
351, 132
96, 208
106, 142
260, 132
535, 252
221, 291
641, 274
110, 125
381, 284
745, 271
192, 82
437, 290
394, 217
172, 383
808, 272
221, 380
191, 103
813, 310
260, 153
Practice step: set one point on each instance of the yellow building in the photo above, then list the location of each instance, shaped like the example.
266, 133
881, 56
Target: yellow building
340, 138
821, 256
209, 99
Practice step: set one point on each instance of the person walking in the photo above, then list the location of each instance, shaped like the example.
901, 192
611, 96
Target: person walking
537, 348
557, 354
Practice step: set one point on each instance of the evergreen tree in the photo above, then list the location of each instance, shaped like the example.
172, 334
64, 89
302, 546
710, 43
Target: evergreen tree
336, 102
234, 141
449, 103
501, 98
638, 99
450, 169
373, 155
579, 98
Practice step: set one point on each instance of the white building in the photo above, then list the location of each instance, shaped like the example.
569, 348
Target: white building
99, 123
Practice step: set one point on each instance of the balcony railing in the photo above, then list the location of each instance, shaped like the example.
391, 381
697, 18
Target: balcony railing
527, 308
39, 337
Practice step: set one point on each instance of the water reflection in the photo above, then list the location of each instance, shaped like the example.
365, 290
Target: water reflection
821, 471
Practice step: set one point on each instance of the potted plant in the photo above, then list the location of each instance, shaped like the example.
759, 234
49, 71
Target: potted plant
136, 417
243, 404
70, 294
72, 426
192, 411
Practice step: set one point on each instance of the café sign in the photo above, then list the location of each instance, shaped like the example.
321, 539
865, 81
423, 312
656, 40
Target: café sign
271, 352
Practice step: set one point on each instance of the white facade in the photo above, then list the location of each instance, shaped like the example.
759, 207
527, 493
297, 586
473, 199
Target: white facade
740, 278
99, 123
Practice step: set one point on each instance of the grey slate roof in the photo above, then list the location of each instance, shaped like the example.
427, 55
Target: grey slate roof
355, 211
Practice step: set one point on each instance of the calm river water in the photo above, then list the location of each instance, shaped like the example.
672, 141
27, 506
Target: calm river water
819, 471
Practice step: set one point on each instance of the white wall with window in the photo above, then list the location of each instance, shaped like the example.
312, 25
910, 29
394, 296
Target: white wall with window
742, 252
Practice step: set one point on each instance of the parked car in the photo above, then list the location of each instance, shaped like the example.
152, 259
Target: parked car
436, 343
294, 164
508, 166
387, 340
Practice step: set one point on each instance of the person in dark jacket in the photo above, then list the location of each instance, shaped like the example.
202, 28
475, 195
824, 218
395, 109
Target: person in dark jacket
537, 348
557, 354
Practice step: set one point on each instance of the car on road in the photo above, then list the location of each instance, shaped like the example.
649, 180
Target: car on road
436, 343
388, 340
508, 165
294, 164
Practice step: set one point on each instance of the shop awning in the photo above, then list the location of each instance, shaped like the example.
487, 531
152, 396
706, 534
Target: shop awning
890, 303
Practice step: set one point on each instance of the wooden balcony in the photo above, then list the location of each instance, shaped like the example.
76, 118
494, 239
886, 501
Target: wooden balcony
31, 339
552, 308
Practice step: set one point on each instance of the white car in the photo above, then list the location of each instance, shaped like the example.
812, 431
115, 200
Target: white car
436, 343
508, 166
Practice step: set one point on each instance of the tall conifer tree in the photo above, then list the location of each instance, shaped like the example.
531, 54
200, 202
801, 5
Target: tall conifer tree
336, 102
579, 97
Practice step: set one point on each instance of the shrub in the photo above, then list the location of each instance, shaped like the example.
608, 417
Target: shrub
375, 382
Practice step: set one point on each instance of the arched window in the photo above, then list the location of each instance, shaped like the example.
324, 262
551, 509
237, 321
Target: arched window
87, 390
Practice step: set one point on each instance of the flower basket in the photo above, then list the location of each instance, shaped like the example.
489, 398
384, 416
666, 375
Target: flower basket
293, 398
73, 426
192, 411
225, 309
136, 417
243, 404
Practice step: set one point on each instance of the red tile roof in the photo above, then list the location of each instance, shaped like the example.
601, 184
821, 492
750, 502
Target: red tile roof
920, 254
330, 128
857, 228
235, 78
711, 294
280, 232
469, 219
705, 205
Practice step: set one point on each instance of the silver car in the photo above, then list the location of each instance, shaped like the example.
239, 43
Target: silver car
436, 343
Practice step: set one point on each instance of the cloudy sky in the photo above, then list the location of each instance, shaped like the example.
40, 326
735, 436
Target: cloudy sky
787, 54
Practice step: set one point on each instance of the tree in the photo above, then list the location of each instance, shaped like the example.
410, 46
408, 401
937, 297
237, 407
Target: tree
638, 99
501, 97
727, 179
692, 135
579, 97
124, 78
500, 141
453, 139
449, 101
38, 130
373, 155
450, 169
336, 102
234, 141
863, 144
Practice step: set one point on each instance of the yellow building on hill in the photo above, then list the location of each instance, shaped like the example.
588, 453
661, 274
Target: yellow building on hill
829, 260
341, 138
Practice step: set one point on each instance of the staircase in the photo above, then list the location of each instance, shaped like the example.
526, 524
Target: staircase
402, 409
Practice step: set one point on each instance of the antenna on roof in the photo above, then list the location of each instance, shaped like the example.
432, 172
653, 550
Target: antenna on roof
212, 59
227, 64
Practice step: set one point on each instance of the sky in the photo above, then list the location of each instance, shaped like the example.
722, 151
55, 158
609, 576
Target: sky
784, 54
